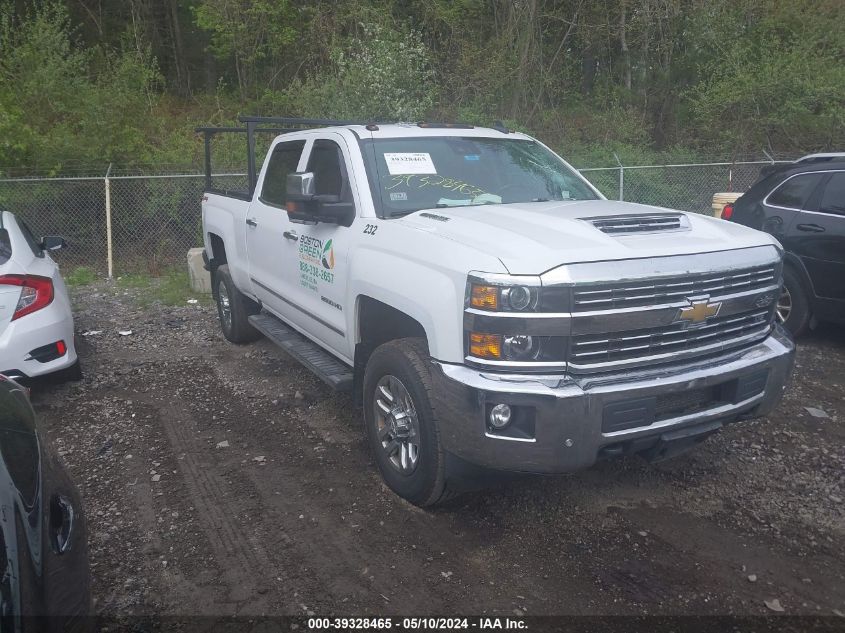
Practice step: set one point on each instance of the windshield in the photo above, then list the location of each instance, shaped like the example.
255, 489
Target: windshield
409, 174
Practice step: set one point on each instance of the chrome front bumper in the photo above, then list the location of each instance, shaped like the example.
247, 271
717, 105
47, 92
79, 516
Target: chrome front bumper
570, 415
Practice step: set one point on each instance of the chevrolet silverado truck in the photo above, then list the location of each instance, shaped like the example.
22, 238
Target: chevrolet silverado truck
486, 305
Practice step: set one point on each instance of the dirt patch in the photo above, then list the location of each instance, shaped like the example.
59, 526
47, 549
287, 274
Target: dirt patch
227, 480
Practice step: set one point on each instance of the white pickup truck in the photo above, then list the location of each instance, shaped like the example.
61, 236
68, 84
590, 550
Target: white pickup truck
489, 307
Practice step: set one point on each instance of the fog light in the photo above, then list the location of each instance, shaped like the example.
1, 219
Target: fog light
500, 416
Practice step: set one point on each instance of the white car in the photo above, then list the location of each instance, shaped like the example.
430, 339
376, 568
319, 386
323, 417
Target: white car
36, 323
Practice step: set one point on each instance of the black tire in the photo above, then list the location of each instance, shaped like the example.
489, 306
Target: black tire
233, 308
798, 317
407, 360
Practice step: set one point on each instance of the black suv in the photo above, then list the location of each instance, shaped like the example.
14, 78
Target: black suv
803, 205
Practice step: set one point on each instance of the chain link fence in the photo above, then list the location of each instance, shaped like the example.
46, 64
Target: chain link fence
689, 187
146, 224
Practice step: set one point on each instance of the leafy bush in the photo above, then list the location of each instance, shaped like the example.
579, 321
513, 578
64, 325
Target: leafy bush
384, 75
62, 105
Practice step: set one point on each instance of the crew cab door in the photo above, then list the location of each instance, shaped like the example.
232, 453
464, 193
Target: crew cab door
316, 264
269, 232
817, 237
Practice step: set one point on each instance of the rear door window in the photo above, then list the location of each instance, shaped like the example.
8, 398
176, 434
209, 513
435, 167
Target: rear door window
833, 198
794, 193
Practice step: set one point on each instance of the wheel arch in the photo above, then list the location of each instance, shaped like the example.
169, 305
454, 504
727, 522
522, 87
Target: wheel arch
376, 323
794, 263
217, 256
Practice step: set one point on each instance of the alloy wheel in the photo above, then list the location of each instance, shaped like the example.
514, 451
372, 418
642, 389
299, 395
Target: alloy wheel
224, 305
397, 424
784, 306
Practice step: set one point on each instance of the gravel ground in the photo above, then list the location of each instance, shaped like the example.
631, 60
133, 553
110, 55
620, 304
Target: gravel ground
227, 480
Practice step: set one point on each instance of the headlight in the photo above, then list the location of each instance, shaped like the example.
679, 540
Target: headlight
484, 297
520, 347
487, 346
517, 347
517, 298
512, 322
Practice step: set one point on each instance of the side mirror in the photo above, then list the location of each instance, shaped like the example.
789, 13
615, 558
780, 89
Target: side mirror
300, 187
52, 243
305, 206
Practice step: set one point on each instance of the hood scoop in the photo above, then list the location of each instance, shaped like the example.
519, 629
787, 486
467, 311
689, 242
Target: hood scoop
644, 223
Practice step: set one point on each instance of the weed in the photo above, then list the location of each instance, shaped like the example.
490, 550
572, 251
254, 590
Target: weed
172, 288
80, 276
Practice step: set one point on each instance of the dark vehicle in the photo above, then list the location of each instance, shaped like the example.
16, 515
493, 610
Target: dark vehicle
803, 205
45, 582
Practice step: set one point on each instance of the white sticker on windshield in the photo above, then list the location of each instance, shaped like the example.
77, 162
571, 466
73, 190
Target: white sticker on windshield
409, 163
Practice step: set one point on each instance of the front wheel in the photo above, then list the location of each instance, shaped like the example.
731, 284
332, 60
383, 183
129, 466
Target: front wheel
233, 308
401, 424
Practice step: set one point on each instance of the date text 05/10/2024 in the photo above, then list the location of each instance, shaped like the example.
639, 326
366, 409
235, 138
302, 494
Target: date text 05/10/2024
417, 624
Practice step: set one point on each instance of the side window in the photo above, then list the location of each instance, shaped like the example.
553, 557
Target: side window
793, 193
833, 199
5, 246
326, 162
33, 244
282, 162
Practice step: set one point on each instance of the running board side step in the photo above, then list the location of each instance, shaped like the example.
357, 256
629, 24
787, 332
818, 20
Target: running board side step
326, 367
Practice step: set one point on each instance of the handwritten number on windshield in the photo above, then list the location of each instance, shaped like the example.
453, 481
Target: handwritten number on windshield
421, 182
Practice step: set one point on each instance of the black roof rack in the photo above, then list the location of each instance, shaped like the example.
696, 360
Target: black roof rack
284, 125
253, 124
306, 123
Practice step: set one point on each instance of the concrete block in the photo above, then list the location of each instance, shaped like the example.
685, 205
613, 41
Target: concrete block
199, 276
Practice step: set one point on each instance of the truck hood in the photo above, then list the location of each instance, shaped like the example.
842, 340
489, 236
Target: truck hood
531, 238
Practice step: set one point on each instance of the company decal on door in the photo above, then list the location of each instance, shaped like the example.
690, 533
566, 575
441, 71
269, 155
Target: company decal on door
316, 262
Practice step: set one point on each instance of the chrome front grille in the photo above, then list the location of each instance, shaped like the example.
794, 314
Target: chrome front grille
647, 292
678, 340
624, 224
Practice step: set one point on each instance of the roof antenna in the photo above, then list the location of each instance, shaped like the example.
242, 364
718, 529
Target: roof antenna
500, 127
372, 126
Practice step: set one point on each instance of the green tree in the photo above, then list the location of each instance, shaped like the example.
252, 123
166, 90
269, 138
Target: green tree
776, 81
247, 32
62, 104
385, 74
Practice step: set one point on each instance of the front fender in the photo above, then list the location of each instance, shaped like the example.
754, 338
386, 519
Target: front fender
425, 290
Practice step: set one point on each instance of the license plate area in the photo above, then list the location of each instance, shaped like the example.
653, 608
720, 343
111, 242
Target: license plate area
644, 411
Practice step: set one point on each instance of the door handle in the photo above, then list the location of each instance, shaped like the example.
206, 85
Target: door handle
291, 235
251, 222
810, 228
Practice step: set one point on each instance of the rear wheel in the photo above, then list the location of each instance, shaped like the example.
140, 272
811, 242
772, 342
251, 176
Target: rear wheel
793, 309
402, 427
233, 308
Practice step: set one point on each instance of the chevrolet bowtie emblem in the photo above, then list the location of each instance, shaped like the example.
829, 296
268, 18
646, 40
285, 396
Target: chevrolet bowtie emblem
699, 311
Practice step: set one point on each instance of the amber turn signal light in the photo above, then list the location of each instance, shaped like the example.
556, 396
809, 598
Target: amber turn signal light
485, 345
484, 297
